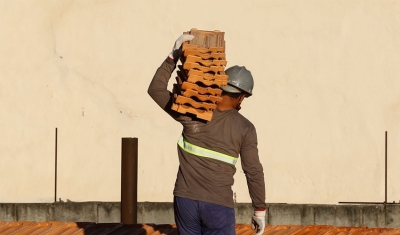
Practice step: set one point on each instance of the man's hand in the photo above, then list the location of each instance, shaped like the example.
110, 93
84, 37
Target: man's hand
176, 50
258, 222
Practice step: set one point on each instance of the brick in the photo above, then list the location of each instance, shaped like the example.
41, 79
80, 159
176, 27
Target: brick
207, 82
215, 69
201, 74
192, 93
201, 90
205, 62
205, 38
206, 56
203, 49
210, 76
202, 114
197, 105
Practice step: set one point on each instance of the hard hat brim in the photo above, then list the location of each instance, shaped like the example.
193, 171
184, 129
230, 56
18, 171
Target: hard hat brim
231, 89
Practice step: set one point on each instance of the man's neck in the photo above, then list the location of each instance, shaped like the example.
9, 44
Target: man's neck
223, 107
226, 104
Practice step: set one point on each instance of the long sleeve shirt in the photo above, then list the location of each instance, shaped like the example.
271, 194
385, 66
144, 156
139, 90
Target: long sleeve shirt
230, 133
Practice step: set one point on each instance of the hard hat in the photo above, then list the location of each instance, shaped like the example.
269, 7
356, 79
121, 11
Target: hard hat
240, 80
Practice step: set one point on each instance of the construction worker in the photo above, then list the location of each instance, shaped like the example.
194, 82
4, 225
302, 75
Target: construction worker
208, 151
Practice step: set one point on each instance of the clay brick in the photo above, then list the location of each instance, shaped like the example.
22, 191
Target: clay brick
204, 38
208, 76
216, 69
201, 90
207, 82
201, 74
193, 93
202, 114
183, 74
206, 56
197, 59
203, 49
195, 104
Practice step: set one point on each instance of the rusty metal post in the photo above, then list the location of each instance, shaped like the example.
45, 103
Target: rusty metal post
129, 173
386, 167
55, 169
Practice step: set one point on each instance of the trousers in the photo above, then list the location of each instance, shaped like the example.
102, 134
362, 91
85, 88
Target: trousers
194, 217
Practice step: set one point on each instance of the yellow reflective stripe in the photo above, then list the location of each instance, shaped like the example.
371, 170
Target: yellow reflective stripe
203, 152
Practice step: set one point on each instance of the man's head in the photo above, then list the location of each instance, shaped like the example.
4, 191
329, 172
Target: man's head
240, 85
240, 80
231, 100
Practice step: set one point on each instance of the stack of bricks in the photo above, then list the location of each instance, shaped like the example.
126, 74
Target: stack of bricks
201, 74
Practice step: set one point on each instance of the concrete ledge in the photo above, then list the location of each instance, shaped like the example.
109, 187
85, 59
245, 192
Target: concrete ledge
109, 212
244, 212
324, 214
8, 212
348, 215
392, 216
34, 212
290, 214
76, 212
372, 216
156, 212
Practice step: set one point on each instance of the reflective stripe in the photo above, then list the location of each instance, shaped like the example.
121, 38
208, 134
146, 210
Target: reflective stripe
203, 152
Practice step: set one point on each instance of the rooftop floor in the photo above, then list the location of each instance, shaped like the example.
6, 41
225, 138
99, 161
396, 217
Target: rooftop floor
82, 228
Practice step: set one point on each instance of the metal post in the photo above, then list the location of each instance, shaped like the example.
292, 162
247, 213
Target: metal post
385, 202
129, 169
385, 166
55, 171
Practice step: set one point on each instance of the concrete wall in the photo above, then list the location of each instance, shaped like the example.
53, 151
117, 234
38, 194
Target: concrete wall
327, 80
162, 213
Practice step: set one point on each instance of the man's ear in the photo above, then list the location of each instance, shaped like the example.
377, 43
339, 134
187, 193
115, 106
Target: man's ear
241, 98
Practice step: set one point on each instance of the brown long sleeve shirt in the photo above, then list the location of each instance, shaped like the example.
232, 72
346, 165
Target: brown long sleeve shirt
228, 132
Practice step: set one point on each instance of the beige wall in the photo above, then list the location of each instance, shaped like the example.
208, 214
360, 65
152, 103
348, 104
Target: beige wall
327, 82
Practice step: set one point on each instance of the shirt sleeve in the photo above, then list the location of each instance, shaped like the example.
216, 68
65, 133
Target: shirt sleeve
158, 88
253, 170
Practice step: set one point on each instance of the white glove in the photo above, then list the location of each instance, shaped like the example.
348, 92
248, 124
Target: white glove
258, 222
178, 43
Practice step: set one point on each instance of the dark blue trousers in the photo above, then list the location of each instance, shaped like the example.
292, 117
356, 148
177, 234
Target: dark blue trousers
202, 218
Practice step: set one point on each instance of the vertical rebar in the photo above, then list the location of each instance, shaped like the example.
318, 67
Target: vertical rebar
55, 170
129, 169
385, 166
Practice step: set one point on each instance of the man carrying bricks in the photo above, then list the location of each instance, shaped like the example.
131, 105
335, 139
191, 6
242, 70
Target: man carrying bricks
208, 151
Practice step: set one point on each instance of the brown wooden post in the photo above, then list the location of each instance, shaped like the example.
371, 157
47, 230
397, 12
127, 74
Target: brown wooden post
129, 173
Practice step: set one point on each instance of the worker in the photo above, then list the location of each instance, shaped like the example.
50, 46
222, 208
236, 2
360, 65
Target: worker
208, 151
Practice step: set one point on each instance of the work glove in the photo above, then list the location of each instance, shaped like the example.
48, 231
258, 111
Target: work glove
176, 50
258, 222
